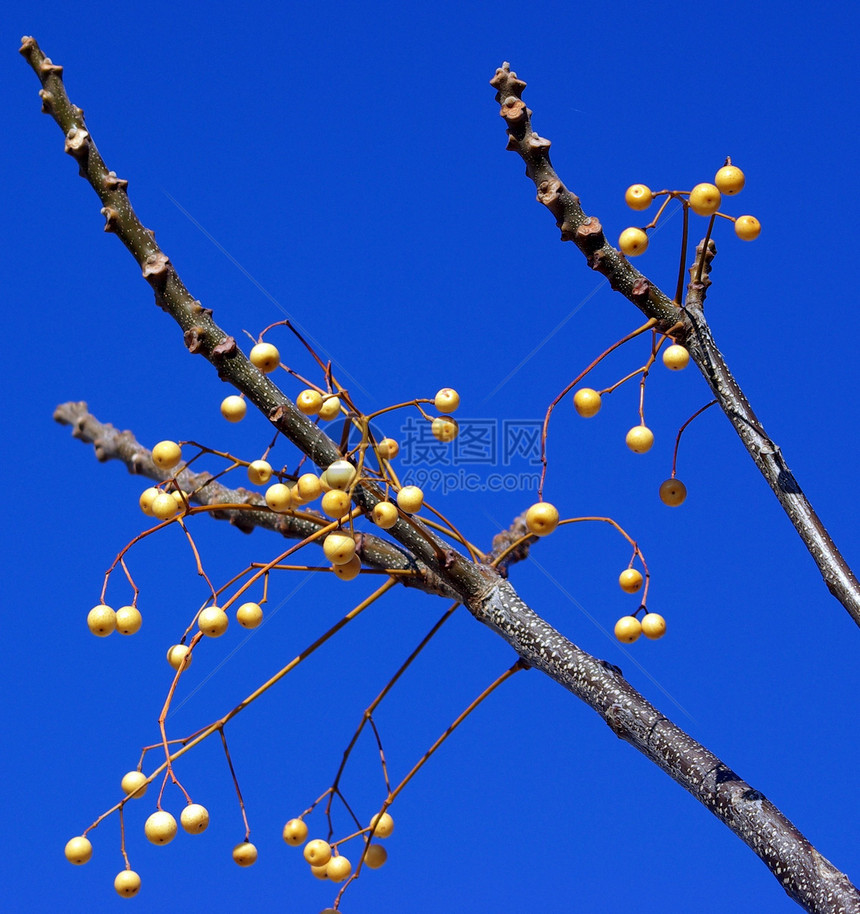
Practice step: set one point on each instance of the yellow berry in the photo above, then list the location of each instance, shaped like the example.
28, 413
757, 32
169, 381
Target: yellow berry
279, 497
319, 872
213, 621
164, 506
78, 850
259, 472
266, 357
181, 499
134, 784
330, 409
101, 620
127, 883
178, 653
630, 580
587, 402
296, 497
348, 570
382, 825
309, 486
638, 196
295, 832
444, 429
633, 242
705, 199
628, 629
335, 503
388, 448
447, 400
309, 402
730, 180
673, 492
160, 827
340, 474
542, 518
384, 514
339, 548
128, 620
676, 357
249, 615
640, 439
194, 818
747, 228
410, 499
147, 496
166, 454
245, 854
653, 626
317, 852
233, 408
338, 868
376, 855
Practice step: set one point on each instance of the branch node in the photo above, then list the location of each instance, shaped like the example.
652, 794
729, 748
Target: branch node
641, 289
549, 193
589, 235
505, 77
77, 143
538, 144
47, 101
111, 218
194, 338
155, 269
47, 66
112, 182
513, 110
226, 347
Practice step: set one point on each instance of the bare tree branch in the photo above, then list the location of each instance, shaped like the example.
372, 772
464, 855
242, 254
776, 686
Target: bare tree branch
804, 874
587, 233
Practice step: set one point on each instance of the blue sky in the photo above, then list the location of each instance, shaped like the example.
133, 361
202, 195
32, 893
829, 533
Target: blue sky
344, 165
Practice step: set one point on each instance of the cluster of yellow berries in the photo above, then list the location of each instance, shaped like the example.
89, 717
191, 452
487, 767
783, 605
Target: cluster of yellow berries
266, 358
160, 828
155, 502
542, 518
629, 628
335, 482
103, 621
324, 859
640, 438
704, 200
333, 485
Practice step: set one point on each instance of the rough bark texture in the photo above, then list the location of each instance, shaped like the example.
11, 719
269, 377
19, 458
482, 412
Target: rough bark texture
807, 877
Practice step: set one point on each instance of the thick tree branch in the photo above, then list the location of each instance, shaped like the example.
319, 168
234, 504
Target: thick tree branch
806, 875
587, 233
204, 489
204, 337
